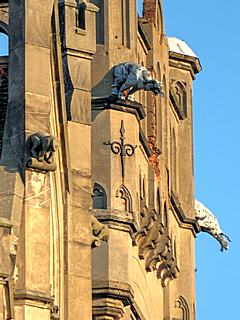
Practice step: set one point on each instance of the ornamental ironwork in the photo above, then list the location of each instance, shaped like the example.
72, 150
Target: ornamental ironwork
121, 148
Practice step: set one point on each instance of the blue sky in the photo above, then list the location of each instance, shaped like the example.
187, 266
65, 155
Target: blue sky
211, 28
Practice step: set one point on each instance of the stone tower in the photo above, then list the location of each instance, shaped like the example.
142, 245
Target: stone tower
97, 192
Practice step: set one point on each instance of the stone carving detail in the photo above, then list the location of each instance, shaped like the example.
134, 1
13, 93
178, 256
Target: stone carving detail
40, 149
156, 246
54, 311
99, 197
131, 77
209, 223
182, 304
124, 194
178, 97
100, 232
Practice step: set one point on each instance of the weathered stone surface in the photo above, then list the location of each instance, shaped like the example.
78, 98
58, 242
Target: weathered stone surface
138, 154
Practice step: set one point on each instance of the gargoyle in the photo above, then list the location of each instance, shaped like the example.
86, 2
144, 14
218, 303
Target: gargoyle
40, 148
209, 223
100, 232
131, 77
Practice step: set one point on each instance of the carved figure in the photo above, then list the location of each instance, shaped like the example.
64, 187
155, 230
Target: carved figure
40, 148
209, 223
100, 232
131, 77
54, 310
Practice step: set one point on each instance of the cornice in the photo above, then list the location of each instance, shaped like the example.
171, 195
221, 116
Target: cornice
182, 61
106, 103
184, 221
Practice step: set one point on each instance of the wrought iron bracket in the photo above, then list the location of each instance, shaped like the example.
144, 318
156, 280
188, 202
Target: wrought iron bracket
121, 148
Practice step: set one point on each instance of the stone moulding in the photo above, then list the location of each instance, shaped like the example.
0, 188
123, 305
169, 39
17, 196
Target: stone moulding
123, 193
117, 219
39, 151
106, 292
156, 246
182, 304
106, 103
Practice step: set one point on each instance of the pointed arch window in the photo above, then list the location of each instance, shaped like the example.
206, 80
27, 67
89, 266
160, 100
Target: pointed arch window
178, 97
99, 197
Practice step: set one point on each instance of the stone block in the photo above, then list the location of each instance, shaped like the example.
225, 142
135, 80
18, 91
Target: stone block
80, 150
37, 68
81, 106
38, 27
37, 115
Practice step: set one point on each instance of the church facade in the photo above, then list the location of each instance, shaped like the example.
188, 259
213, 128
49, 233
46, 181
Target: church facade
96, 163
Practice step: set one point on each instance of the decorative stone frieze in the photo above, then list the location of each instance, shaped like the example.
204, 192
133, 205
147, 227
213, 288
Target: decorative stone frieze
40, 149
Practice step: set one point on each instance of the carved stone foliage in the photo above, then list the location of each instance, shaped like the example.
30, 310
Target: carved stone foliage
156, 245
100, 232
40, 149
182, 304
124, 194
130, 78
99, 197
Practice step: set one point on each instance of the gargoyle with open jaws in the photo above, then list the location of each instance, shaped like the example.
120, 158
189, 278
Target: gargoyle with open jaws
131, 77
209, 223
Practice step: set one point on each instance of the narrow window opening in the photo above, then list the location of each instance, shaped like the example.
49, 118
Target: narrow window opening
81, 15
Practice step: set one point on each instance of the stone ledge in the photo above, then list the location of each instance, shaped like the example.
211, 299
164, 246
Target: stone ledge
117, 219
105, 103
32, 295
113, 289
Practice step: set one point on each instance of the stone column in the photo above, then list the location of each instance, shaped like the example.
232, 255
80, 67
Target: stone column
28, 113
78, 46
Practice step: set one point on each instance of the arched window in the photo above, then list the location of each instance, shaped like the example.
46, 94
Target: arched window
125, 198
3, 43
178, 96
99, 197
3, 80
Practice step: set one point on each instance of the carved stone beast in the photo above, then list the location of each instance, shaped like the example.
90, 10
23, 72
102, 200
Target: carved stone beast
40, 148
209, 223
100, 232
131, 77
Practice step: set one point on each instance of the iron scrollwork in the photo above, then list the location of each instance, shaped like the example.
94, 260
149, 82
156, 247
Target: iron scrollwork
122, 148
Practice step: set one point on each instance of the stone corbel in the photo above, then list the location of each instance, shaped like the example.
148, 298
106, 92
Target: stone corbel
100, 232
156, 246
54, 312
39, 151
